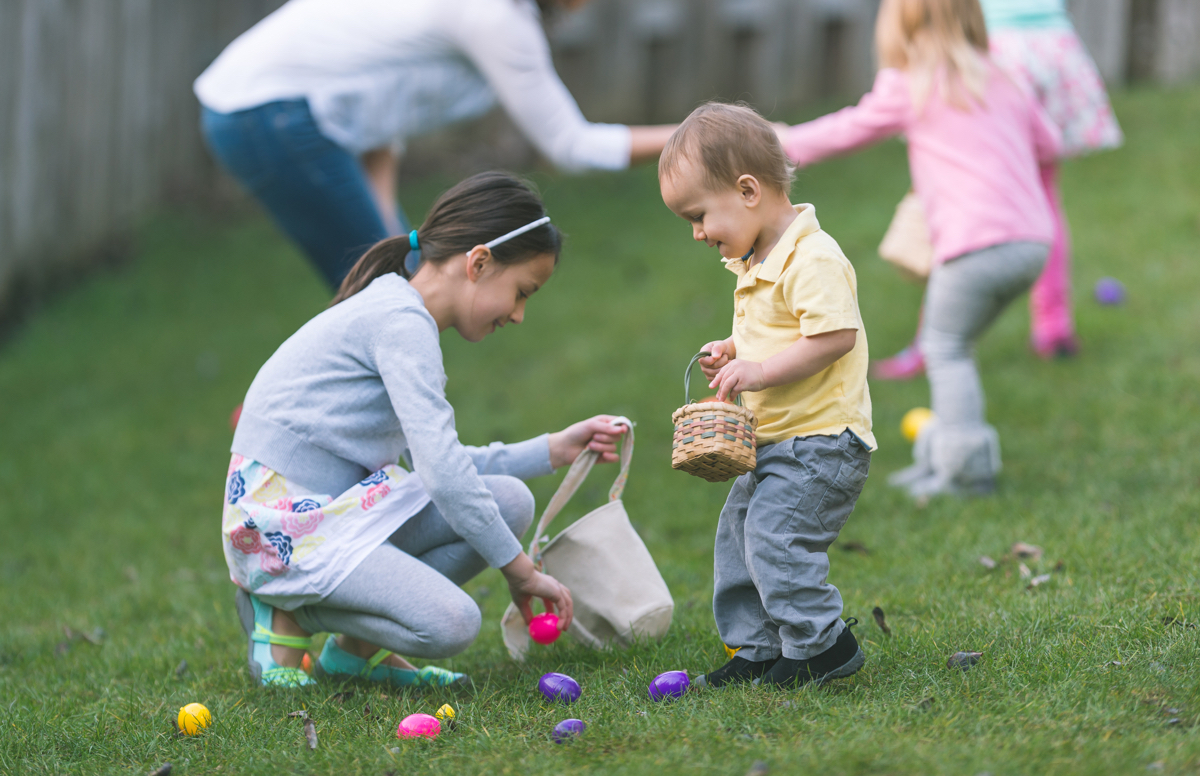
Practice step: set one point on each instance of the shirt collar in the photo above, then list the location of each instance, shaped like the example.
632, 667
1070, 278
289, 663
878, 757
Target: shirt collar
772, 266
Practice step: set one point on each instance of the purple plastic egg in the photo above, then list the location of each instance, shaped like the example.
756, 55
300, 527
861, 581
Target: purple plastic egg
567, 729
1110, 291
559, 687
672, 684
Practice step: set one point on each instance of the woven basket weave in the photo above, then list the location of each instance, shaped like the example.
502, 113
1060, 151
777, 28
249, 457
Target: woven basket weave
713, 440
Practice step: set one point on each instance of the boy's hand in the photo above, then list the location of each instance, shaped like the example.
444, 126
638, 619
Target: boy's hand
737, 376
526, 583
596, 433
723, 351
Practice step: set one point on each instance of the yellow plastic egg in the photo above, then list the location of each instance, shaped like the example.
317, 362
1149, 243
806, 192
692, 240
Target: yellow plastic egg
914, 420
445, 713
193, 718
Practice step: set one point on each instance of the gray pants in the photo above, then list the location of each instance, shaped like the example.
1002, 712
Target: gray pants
964, 297
770, 560
960, 452
405, 596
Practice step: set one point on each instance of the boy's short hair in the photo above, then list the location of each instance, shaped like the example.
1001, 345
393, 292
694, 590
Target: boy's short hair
728, 141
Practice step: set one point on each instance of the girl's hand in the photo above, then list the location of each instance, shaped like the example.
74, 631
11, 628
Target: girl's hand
526, 583
722, 351
737, 376
597, 433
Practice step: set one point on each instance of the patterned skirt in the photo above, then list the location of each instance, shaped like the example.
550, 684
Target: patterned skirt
1059, 70
293, 547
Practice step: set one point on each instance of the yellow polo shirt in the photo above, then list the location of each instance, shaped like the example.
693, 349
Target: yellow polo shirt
805, 286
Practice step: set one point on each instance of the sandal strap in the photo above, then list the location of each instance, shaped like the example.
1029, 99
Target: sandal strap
285, 674
264, 636
375, 660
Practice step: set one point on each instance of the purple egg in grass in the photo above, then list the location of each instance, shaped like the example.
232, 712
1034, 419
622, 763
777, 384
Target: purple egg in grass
567, 729
672, 684
1110, 291
559, 687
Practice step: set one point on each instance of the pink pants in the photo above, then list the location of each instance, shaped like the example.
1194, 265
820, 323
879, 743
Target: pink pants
1051, 319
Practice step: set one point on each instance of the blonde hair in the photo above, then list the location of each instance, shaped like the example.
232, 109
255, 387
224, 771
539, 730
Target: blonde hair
728, 141
935, 39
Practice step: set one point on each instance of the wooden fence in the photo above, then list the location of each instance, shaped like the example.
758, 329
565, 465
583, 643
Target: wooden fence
100, 125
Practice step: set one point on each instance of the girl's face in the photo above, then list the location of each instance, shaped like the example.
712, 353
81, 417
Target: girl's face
496, 293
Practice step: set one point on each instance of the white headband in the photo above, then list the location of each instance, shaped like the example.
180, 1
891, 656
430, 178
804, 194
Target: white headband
517, 232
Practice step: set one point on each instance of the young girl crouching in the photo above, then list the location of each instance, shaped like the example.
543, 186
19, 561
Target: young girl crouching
323, 532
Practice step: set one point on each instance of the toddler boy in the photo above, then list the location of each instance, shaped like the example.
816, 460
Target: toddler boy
798, 354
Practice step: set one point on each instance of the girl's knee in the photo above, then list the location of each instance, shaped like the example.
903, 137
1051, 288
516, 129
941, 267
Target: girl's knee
456, 626
515, 501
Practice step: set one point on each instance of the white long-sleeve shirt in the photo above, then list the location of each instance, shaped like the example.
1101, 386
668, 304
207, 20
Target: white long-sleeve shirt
379, 71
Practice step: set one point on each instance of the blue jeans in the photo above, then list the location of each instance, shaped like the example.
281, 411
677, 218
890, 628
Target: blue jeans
315, 190
771, 589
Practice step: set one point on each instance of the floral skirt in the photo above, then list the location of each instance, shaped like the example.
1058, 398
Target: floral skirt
294, 547
1063, 76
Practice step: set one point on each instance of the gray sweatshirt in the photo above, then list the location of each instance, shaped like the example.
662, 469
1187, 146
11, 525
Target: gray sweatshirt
361, 386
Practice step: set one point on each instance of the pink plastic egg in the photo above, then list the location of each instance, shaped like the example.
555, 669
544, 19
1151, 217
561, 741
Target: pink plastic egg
559, 687
544, 628
672, 684
418, 725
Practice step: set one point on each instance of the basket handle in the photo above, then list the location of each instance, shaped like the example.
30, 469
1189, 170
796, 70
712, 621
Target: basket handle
687, 380
575, 477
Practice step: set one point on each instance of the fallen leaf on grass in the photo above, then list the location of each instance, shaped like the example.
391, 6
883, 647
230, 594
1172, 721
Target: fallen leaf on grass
1040, 579
963, 660
302, 714
858, 547
163, 770
1030, 551
987, 562
1157, 765
181, 669
341, 697
759, 768
1174, 721
96, 637
1178, 621
310, 734
1025, 572
880, 621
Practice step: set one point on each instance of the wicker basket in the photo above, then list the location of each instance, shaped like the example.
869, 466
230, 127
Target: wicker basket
713, 440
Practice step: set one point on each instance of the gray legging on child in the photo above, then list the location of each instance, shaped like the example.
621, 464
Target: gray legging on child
960, 451
405, 596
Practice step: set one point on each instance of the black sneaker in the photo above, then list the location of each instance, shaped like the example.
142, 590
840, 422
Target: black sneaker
738, 669
839, 661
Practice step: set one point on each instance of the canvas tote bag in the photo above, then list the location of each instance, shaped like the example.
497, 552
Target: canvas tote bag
906, 242
617, 591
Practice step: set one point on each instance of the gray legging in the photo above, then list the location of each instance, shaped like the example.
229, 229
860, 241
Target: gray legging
405, 596
964, 297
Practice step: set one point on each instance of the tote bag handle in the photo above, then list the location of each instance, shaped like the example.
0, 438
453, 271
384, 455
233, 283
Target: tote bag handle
575, 477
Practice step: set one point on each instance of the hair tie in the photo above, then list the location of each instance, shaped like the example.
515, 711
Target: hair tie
412, 241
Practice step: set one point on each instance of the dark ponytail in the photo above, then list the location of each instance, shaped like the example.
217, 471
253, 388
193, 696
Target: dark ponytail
474, 212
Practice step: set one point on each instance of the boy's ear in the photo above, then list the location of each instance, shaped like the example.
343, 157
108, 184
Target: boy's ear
750, 190
479, 260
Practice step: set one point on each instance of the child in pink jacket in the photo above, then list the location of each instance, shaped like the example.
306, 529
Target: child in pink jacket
975, 139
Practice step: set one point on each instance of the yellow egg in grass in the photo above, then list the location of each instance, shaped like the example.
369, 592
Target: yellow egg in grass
913, 421
445, 713
193, 718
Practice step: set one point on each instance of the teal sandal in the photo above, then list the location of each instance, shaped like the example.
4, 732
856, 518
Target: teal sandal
339, 663
256, 616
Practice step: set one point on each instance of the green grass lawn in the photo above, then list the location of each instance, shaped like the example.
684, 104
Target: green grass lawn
114, 405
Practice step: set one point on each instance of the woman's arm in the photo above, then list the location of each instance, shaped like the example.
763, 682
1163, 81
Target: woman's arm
505, 41
380, 167
646, 143
882, 112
